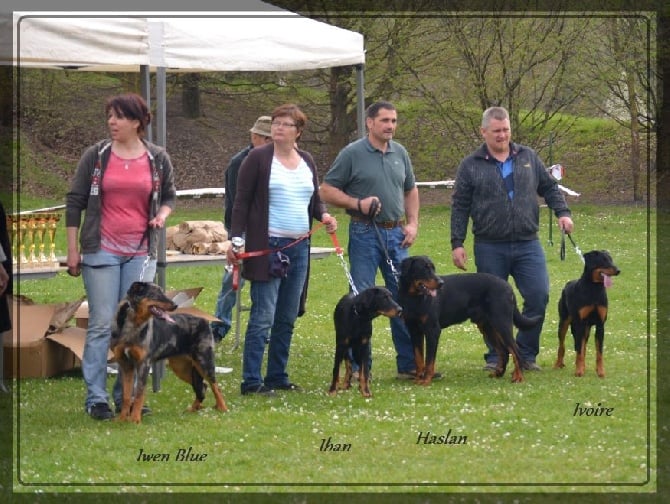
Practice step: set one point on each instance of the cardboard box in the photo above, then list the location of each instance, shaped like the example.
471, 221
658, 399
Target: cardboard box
29, 354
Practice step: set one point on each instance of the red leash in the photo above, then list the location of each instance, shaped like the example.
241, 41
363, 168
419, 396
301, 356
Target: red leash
257, 253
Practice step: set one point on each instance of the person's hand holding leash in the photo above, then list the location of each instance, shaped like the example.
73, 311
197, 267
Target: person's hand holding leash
370, 206
565, 223
236, 248
330, 222
159, 220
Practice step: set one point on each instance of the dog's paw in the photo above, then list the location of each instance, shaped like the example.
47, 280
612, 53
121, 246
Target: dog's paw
517, 378
196, 406
559, 365
423, 381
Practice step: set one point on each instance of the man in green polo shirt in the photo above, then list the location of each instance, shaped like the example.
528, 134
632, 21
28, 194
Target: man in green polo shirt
372, 178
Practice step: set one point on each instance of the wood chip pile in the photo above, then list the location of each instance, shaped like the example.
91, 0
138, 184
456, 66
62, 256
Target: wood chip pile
198, 237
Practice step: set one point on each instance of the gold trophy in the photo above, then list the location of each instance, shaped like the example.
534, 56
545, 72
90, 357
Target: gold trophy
52, 223
14, 226
23, 235
41, 225
32, 232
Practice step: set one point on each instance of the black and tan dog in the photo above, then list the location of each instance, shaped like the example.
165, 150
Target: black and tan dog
143, 332
583, 304
431, 303
353, 329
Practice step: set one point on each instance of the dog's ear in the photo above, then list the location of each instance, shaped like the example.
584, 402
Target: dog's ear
366, 296
589, 256
135, 288
406, 265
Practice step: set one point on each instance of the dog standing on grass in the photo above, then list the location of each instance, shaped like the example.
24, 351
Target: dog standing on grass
432, 302
353, 329
143, 332
583, 304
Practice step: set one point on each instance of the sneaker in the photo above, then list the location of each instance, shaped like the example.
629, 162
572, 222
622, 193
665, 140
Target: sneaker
288, 386
100, 411
410, 375
490, 366
531, 366
260, 389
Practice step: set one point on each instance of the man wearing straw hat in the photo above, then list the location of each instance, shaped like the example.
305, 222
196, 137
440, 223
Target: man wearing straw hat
260, 135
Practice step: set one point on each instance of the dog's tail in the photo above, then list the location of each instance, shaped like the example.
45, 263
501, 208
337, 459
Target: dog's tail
523, 322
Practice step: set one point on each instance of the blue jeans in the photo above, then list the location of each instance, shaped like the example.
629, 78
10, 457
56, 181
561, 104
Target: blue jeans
365, 257
224, 305
105, 286
274, 310
525, 262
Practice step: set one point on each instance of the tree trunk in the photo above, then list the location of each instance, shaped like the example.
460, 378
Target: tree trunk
634, 138
190, 95
663, 114
7, 97
342, 120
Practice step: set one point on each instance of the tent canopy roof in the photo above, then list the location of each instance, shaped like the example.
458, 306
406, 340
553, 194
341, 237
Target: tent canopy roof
269, 40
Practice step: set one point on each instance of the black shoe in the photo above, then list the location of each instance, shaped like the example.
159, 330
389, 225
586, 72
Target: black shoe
260, 389
288, 386
100, 411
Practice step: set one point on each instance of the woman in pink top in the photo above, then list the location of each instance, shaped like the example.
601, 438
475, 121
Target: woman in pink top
125, 187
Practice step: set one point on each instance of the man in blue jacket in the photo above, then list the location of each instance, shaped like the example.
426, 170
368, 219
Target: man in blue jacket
497, 186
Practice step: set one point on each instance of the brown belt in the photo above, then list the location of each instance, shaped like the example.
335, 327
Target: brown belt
390, 224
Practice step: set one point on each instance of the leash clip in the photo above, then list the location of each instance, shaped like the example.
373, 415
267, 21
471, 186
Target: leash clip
340, 254
145, 264
577, 250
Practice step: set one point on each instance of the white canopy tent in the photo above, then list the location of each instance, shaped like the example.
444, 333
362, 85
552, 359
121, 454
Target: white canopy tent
263, 38
218, 41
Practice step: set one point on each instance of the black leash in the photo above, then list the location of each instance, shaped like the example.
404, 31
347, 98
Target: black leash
371, 214
579, 252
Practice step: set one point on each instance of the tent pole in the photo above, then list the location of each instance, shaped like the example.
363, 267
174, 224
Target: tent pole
161, 139
158, 368
360, 102
145, 85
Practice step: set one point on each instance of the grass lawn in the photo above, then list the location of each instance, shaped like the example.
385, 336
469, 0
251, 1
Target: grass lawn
522, 438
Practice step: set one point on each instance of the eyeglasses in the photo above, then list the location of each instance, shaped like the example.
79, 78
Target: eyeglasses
276, 124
